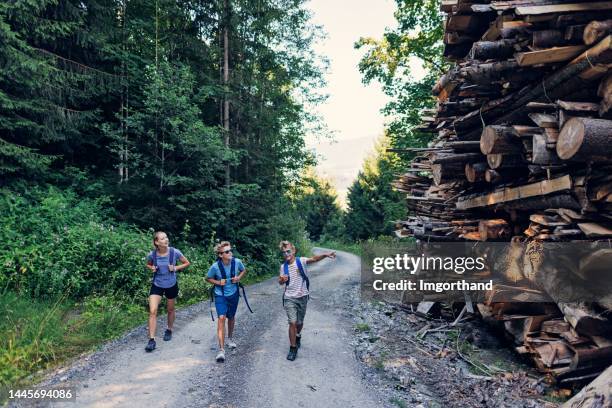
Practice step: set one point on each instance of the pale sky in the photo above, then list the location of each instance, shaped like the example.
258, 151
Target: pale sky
353, 109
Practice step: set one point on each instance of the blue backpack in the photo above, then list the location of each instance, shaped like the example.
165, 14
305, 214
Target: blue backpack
171, 260
224, 276
302, 274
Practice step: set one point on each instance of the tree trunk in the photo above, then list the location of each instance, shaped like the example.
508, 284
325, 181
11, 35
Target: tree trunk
226, 104
584, 137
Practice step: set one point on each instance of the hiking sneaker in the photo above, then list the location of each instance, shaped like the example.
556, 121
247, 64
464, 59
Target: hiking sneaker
231, 344
221, 356
168, 335
150, 346
292, 353
298, 341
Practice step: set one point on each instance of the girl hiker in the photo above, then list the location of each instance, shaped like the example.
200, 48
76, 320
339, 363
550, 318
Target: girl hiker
295, 298
162, 262
225, 274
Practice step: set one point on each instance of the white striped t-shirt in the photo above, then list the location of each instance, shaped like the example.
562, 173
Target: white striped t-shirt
297, 285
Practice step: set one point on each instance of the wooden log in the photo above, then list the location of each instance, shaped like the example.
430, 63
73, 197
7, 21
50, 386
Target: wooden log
605, 91
493, 230
547, 38
495, 177
470, 145
583, 138
499, 139
541, 154
456, 158
484, 50
549, 55
597, 394
539, 188
443, 173
479, 72
503, 161
559, 84
475, 172
531, 10
594, 230
584, 320
574, 33
596, 30
600, 357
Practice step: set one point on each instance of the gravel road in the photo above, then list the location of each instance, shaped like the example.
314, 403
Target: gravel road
183, 373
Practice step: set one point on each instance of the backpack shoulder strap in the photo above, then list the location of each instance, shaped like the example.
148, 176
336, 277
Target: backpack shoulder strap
233, 268
221, 269
154, 257
302, 272
171, 256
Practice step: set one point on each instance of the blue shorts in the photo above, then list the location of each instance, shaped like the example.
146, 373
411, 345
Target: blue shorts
227, 305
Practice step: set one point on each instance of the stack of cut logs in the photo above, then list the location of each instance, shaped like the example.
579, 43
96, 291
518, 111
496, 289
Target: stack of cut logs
522, 148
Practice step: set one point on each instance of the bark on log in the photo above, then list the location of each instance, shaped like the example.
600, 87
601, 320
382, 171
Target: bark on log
484, 50
582, 138
475, 172
494, 177
556, 86
541, 154
503, 161
584, 320
443, 173
596, 30
605, 91
456, 158
499, 139
547, 38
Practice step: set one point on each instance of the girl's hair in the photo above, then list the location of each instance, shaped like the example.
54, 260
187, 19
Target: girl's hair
156, 236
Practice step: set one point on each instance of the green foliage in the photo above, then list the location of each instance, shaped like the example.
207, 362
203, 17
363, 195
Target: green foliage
316, 204
390, 60
373, 205
40, 333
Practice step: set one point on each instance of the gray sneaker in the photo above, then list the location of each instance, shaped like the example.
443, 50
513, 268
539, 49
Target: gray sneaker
221, 356
230, 343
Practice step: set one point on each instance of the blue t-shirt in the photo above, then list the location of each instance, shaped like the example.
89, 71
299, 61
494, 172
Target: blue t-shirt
164, 278
230, 288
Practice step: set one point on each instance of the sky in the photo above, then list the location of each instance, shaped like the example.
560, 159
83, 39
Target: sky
352, 110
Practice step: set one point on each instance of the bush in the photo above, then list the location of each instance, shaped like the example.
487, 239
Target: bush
56, 245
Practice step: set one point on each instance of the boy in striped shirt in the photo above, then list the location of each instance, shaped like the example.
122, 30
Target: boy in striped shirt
295, 299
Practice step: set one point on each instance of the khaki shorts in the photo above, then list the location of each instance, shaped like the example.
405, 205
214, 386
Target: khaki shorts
296, 309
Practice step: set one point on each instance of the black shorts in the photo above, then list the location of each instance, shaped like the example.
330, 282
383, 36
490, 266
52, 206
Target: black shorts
170, 293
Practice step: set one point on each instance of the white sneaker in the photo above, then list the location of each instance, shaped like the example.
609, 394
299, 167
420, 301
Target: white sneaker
221, 356
231, 344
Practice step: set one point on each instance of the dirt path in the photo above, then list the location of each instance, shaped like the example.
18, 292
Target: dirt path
182, 373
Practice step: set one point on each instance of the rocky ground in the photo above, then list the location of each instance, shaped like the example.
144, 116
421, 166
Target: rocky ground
429, 363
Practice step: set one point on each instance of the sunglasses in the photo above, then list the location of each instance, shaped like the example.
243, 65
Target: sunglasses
227, 251
287, 252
